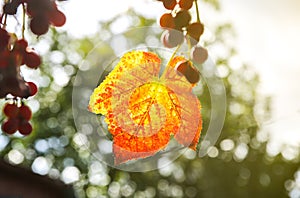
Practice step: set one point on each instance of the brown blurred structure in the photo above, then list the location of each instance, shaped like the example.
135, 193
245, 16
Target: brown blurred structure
19, 182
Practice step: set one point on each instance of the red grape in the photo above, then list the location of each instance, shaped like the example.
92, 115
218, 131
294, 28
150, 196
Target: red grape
57, 18
167, 21
10, 126
21, 45
175, 37
32, 88
38, 7
32, 9
182, 67
199, 54
193, 75
169, 4
182, 19
39, 25
11, 110
186, 4
25, 112
32, 60
25, 128
172, 38
186, 68
164, 39
195, 30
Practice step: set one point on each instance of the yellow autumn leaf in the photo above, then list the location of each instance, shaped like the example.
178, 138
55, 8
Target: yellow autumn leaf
144, 109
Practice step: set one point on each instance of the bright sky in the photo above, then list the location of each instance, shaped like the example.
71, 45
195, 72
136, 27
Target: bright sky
268, 39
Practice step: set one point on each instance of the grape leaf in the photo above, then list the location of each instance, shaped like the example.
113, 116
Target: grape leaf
143, 109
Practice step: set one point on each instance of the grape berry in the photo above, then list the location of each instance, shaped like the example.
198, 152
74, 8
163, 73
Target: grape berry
187, 69
167, 21
172, 38
199, 54
169, 4
11, 110
25, 128
195, 30
186, 4
10, 126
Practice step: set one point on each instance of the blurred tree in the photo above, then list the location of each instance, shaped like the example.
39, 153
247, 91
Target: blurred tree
237, 166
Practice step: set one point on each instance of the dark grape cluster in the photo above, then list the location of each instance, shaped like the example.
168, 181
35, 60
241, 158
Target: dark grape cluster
12, 56
178, 25
179, 18
17, 119
42, 13
15, 52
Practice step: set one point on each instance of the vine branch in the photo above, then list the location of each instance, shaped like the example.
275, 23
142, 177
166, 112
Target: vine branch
24, 16
197, 11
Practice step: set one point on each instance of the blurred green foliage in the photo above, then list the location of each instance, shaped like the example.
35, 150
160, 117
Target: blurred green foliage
237, 166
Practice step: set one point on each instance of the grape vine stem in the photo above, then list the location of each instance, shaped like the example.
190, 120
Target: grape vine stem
197, 11
5, 16
24, 15
5, 20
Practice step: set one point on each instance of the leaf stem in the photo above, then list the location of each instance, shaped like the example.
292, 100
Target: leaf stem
171, 58
174, 53
189, 47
